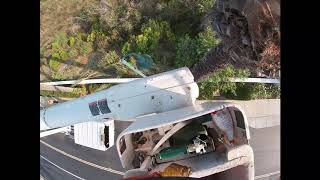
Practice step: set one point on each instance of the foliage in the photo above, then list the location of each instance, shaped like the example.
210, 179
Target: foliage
58, 76
110, 57
58, 47
57, 16
186, 54
102, 87
77, 92
250, 91
80, 91
54, 65
76, 30
59, 94
148, 41
205, 41
116, 19
65, 47
265, 91
205, 5
220, 82
190, 51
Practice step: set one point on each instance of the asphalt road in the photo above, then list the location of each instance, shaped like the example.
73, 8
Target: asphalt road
100, 159
61, 158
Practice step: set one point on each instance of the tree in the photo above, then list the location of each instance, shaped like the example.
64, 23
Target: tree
148, 41
189, 51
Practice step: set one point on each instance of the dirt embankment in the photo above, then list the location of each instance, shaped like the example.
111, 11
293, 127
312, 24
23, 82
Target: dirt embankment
250, 34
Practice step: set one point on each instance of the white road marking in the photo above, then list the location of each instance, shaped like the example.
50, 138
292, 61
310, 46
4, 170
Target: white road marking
41, 177
267, 175
61, 168
83, 161
119, 172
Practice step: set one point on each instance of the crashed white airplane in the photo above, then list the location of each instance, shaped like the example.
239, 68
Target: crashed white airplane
172, 134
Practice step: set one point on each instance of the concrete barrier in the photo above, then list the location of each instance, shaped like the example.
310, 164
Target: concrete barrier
261, 113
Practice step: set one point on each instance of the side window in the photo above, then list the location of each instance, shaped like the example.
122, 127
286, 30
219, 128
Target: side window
103, 106
99, 107
94, 108
239, 119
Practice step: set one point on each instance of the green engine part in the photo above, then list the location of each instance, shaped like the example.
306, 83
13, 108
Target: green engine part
186, 134
171, 152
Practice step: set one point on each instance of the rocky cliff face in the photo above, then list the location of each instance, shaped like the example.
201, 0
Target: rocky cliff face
250, 34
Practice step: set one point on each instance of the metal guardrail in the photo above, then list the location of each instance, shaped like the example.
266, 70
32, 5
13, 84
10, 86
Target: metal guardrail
256, 80
125, 80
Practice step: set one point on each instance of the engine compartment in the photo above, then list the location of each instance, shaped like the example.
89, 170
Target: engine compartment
196, 143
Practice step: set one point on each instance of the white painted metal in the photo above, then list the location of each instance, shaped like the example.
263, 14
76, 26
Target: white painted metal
125, 80
43, 124
91, 134
91, 81
255, 80
153, 102
158, 93
54, 131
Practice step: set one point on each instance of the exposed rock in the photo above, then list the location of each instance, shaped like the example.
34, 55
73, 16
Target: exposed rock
249, 30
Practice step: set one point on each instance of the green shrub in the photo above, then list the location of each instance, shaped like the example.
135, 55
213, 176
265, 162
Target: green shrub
190, 51
101, 41
102, 87
61, 39
59, 94
73, 53
85, 48
54, 65
205, 41
147, 42
205, 5
79, 91
166, 30
186, 54
58, 76
71, 41
116, 22
265, 91
220, 82
109, 58
64, 47
59, 47
248, 91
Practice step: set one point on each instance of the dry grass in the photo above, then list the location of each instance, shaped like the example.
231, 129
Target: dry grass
270, 57
58, 16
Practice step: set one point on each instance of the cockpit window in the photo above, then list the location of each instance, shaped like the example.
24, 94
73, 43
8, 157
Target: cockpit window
99, 107
103, 106
94, 108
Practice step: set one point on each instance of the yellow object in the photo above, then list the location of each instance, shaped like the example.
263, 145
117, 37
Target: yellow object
176, 170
